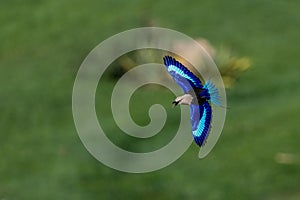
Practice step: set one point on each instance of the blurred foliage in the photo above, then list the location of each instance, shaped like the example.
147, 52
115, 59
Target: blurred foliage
231, 66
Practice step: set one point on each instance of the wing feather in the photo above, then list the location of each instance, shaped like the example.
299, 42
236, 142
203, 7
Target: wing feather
201, 116
182, 76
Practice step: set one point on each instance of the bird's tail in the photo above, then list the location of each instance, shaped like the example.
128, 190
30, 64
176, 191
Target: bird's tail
213, 92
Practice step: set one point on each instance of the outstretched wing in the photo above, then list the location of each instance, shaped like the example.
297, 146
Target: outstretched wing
183, 77
201, 116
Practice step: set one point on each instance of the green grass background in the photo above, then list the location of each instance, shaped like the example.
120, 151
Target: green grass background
43, 44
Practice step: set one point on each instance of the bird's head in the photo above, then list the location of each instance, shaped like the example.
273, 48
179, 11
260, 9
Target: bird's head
185, 100
176, 101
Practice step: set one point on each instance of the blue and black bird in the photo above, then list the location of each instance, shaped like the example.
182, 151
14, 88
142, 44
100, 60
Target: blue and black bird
198, 96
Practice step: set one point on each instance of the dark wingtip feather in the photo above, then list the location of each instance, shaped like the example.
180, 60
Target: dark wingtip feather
168, 60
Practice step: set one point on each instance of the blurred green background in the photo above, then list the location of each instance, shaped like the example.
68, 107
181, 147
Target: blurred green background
43, 44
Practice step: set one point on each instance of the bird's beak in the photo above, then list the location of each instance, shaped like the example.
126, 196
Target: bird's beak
175, 103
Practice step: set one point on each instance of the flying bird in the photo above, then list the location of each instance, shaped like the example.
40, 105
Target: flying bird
198, 96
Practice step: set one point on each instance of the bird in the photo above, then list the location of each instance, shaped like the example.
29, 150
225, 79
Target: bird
196, 95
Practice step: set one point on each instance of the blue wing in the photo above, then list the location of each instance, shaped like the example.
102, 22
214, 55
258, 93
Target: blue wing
182, 76
201, 116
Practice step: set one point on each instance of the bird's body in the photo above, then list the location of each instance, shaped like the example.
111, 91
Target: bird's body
197, 96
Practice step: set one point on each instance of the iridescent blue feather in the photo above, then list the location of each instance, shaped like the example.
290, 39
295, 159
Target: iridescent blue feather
201, 116
181, 74
213, 93
200, 113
